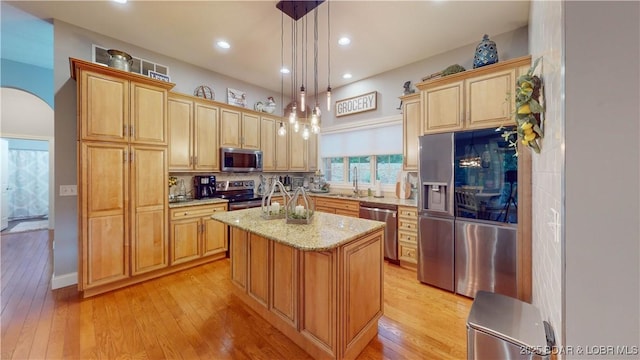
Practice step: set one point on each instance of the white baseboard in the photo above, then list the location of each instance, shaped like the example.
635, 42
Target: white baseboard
65, 280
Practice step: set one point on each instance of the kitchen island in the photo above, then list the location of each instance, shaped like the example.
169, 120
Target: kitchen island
319, 283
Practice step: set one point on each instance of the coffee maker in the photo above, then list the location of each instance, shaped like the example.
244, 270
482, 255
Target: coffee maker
204, 186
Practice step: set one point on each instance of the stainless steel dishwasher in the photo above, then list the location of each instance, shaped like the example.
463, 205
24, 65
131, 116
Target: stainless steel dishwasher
389, 215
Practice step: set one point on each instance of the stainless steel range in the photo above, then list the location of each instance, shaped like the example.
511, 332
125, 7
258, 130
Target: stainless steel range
239, 193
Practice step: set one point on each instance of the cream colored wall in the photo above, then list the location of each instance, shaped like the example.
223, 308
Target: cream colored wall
602, 184
546, 41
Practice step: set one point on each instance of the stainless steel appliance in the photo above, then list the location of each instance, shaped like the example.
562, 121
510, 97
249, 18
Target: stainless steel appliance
501, 327
240, 160
204, 186
435, 211
240, 194
466, 187
389, 215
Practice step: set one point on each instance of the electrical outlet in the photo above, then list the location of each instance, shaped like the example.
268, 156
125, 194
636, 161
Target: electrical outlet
68, 190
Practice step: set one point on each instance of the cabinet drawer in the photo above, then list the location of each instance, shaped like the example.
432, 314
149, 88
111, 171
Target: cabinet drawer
405, 224
408, 212
196, 211
337, 204
408, 236
346, 212
408, 252
326, 209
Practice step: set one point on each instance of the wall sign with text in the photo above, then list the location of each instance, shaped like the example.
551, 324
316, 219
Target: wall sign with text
357, 104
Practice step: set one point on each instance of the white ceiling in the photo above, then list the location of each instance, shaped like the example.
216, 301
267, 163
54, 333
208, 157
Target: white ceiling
385, 34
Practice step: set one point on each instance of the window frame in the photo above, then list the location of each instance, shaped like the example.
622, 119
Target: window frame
346, 172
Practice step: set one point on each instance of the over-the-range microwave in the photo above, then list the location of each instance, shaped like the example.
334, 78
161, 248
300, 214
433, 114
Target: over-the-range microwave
240, 160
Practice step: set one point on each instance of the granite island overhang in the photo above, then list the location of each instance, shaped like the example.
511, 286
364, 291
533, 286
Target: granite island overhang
321, 284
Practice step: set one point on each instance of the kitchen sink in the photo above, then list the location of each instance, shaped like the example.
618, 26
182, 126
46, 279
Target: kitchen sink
347, 196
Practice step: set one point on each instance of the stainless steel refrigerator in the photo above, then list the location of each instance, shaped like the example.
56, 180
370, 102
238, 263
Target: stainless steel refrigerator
467, 210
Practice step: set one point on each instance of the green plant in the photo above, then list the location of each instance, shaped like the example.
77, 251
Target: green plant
528, 112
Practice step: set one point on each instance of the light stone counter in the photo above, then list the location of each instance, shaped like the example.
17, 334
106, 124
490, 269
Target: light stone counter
391, 200
326, 231
196, 202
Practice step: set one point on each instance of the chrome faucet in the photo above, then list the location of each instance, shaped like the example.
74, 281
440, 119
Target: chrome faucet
355, 181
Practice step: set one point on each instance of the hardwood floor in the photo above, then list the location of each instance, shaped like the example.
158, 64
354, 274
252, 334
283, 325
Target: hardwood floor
192, 314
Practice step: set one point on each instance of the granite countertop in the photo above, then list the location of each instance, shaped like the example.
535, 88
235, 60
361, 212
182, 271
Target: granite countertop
391, 200
196, 202
325, 232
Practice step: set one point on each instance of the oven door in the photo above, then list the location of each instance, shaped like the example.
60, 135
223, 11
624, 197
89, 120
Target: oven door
239, 205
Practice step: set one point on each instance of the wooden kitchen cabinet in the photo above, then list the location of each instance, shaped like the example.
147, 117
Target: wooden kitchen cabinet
408, 236
239, 129
122, 176
312, 152
472, 99
193, 134
194, 234
298, 151
338, 206
275, 148
411, 129
120, 109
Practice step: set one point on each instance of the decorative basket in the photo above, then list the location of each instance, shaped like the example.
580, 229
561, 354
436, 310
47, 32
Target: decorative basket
271, 209
486, 53
300, 208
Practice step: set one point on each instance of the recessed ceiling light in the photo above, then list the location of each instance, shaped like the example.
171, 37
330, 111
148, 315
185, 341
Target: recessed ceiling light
120, 1
344, 41
223, 44
346, 76
284, 70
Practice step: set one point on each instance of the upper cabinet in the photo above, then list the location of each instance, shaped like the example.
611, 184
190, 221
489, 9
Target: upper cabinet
239, 129
120, 107
275, 148
193, 134
473, 99
411, 126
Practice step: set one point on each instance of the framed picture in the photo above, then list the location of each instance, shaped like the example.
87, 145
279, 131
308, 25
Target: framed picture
236, 97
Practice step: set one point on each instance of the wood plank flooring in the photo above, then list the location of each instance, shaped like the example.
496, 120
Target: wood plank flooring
193, 314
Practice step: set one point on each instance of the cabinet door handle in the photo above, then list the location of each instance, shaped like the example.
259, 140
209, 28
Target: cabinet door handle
132, 156
133, 131
195, 160
125, 156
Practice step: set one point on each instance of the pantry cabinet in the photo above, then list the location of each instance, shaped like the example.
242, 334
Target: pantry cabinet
122, 177
117, 109
193, 234
193, 134
275, 148
239, 129
472, 99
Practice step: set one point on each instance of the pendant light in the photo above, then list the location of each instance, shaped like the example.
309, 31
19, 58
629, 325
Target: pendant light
282, 131
315, 114
328, 56
303, 68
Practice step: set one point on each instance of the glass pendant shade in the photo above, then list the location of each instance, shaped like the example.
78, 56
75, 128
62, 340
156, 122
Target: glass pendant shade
296, 126
329, 99
305, 133
302, 96
282, 131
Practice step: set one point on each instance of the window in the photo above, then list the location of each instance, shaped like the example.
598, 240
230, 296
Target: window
380, 167
138, 66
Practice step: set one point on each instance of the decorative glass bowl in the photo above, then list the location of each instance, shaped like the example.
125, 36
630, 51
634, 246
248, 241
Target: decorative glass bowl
273, 209
300, 208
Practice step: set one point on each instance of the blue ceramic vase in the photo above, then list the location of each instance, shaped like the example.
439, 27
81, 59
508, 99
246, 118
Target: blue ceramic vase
486, 53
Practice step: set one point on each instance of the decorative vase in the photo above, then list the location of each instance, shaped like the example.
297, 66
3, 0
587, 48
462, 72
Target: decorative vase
486, 53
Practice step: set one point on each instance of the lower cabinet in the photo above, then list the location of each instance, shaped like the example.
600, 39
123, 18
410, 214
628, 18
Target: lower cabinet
338, 206
408, 236
193, 234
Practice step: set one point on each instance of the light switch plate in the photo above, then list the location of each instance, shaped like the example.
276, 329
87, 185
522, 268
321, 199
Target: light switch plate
68, 190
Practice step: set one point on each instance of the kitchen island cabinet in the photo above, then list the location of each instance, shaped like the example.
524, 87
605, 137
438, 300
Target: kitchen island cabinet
320, 284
